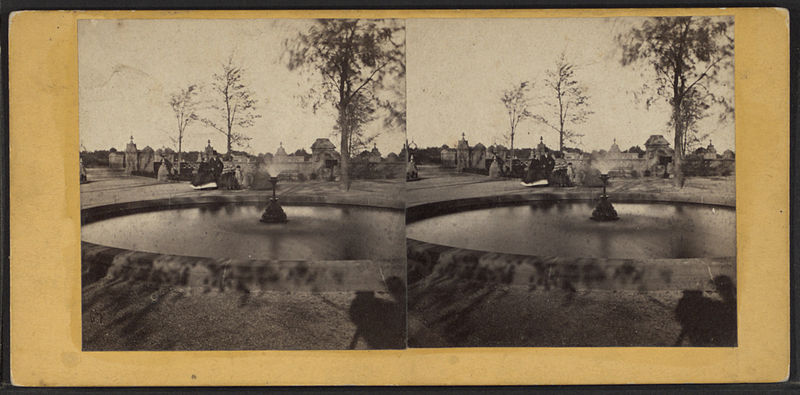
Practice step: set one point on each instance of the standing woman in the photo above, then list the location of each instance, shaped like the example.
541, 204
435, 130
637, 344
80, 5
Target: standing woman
548, 164
531, 175
560, 170
570, 175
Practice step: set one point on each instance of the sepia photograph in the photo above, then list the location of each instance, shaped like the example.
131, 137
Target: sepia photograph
571, 182
242, 184
399, 197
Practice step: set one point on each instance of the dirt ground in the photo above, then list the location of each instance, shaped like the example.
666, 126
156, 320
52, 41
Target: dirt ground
138, 316
455, 314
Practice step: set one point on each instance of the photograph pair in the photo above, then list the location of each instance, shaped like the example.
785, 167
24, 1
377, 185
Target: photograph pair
338, 184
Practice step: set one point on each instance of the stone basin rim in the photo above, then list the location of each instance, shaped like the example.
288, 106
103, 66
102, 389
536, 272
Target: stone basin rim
422, 210
95, 249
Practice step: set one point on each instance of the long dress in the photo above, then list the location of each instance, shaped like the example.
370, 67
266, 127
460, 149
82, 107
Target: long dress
535, 176
571, 179
549, 164
411, 171
494, 169
163, 172
205, 178
532, 173
216, 168
559, 174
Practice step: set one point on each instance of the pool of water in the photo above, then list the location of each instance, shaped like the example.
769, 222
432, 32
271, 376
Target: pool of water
563, 228
234, 231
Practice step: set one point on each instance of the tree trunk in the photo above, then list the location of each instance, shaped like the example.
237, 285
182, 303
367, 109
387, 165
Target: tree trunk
512, 143
229, 143
677, 156
344, 165
178, 170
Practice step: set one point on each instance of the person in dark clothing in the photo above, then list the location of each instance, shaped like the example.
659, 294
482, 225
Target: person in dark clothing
548, 164
559, 175
216, 166
205, 177
536, 174
533, 171
501, 164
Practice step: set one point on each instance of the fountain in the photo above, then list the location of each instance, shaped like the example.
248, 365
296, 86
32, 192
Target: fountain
274, 212
556, 225
604, 211
225, 227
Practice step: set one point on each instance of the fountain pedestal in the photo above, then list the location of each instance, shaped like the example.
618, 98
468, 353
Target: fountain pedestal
274, 212
604, 211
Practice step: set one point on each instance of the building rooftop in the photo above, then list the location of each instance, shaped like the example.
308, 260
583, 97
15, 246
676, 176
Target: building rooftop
322, 143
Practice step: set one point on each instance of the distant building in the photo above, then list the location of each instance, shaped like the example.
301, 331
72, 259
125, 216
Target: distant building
375, 154
728, 155
657, 154
655, 160
133, 160
710, 151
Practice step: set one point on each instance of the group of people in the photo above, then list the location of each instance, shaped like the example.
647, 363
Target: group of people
210, 174
549, 169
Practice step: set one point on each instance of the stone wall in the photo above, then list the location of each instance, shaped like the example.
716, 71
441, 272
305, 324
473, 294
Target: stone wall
431, 262
193, 274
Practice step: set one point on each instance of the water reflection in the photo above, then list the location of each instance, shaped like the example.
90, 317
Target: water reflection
234, 231
562, 228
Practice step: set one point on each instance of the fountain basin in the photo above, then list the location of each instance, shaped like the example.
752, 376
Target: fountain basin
562, 228
233, 230
548, 240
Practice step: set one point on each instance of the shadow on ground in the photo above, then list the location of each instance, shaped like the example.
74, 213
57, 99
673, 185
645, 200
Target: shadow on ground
447, 312
130, 315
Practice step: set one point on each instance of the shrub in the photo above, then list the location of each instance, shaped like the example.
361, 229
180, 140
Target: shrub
301, 177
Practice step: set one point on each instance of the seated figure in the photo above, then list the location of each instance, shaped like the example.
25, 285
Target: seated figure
536, 175
205, 177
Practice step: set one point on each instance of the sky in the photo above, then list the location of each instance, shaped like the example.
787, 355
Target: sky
459, 68
128, 69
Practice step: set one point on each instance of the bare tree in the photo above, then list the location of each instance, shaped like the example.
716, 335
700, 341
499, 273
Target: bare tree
184, 104
516, 102
570, 104
686, 53
355, 58
234, 107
